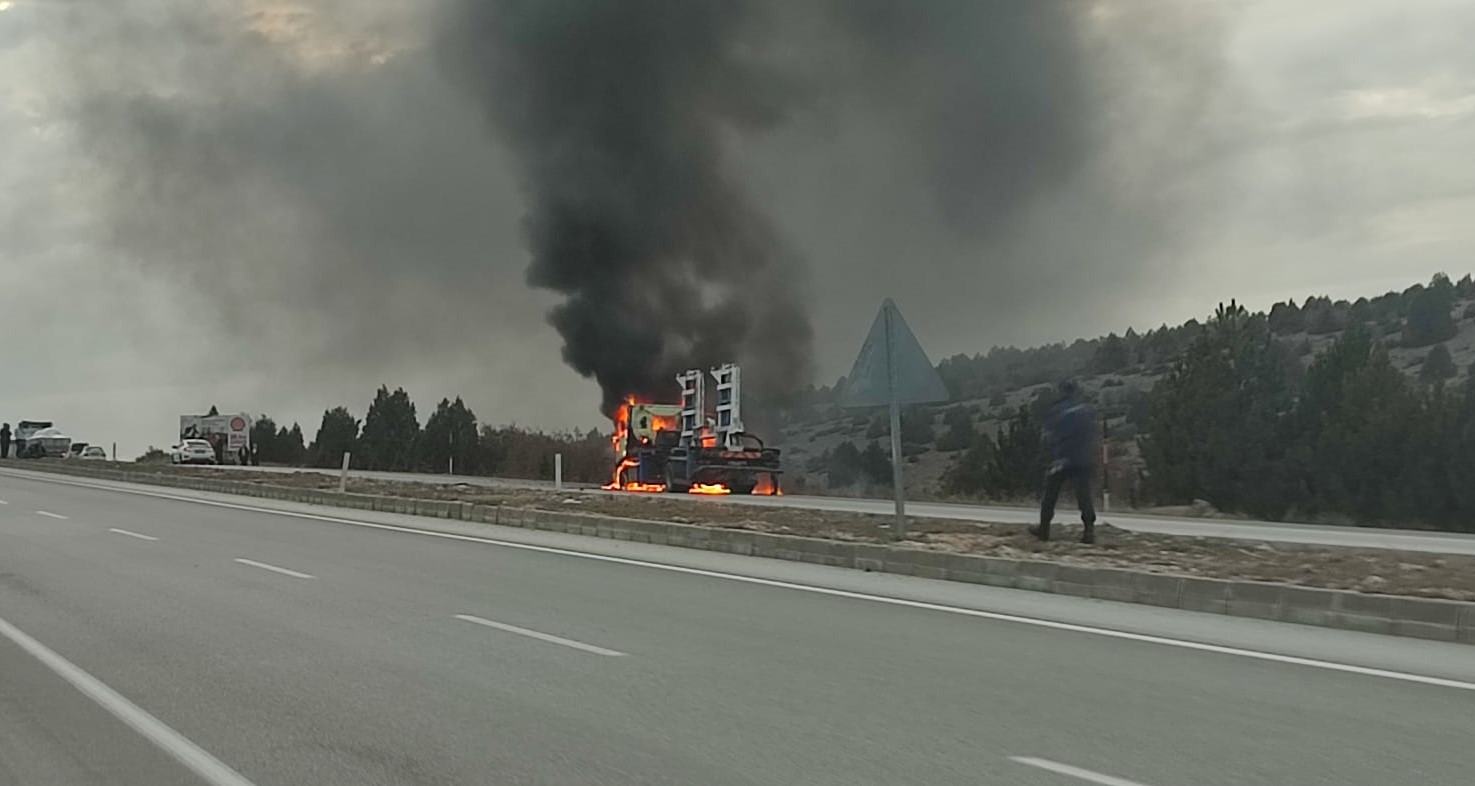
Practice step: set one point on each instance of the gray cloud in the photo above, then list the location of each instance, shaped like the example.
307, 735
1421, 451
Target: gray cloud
332, 207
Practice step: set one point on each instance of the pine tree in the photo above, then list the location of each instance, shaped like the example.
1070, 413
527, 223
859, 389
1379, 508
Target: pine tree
1216, 426
264, 439
1360, 420
1018, 463
391, 432
1438, 366
335, 437
959, 434
450, 433
844, 466
875, 464
1429, 319
1111, 355
290, 450
1286, 318
916, 426
969, 474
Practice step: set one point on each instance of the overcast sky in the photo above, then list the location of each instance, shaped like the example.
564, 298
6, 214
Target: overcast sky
342, 215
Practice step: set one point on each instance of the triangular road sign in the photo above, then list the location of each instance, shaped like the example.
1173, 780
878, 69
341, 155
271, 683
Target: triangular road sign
871, 381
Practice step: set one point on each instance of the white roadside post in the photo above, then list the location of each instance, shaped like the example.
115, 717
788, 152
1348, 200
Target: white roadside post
343, 476
558, 472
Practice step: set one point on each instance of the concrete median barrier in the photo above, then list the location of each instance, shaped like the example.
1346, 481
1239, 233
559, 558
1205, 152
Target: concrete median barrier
1425, 618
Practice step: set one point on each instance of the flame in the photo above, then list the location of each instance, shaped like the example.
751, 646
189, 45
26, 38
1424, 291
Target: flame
620, 443
709, 488
622, 431
767, 486
614, 482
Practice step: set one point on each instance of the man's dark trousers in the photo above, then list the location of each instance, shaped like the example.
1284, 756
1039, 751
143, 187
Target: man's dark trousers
1080, 478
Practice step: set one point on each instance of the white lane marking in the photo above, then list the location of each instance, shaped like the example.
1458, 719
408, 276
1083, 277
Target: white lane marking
197, 759
285, 572
1074, 772
132, 534
532, 634
3, 502
50, 515
1365, 671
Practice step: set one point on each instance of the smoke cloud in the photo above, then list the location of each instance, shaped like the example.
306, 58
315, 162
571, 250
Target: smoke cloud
995, 99
364, 188
616, 112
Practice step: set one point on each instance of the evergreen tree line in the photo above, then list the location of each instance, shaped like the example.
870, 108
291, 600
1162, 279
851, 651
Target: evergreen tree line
1351, 437
1415, 317
391, 438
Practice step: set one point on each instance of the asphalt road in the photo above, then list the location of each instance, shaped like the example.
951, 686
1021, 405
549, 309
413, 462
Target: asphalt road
232, 640
1325, 535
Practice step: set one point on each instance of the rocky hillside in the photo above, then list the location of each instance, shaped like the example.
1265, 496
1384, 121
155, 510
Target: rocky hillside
1429, 332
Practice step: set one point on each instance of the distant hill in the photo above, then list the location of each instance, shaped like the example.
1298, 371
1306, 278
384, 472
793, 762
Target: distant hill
1117, 372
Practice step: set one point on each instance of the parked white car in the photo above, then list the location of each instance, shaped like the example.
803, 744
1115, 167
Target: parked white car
192, 451
93, 453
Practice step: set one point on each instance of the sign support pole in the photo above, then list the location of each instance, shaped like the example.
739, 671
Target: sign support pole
896, 480
892, 369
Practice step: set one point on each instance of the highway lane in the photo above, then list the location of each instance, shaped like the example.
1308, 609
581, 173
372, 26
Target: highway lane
368, 672
1326, 535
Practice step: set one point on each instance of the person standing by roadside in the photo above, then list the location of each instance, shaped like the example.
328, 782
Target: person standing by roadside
5, 441
1070, 432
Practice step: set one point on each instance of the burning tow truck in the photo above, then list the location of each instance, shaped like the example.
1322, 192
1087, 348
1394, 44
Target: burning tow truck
680, 448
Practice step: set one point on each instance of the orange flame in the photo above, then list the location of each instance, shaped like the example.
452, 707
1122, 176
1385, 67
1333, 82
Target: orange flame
620, 443
767, 486
709, 488
614, 483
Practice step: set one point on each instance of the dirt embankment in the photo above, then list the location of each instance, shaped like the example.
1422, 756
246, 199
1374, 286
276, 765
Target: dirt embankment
1391, 572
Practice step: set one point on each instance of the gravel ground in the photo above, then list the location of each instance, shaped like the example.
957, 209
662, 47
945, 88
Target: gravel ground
1397, 573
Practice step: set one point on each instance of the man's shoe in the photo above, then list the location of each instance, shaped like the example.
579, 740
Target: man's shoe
1040, 531
1089, 536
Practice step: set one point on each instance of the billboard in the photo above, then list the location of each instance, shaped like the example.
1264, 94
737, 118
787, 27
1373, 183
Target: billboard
228, 434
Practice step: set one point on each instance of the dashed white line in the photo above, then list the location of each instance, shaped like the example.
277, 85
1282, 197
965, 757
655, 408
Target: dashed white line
3, 502
138, 535
532, 634
274, 569
199, 761
1074, 772
50, 515
1273, 657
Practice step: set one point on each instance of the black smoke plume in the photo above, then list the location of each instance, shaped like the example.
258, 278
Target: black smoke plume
616, 112
321, 174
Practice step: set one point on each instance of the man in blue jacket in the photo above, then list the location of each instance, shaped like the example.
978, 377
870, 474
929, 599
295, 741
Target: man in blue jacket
1070, 432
